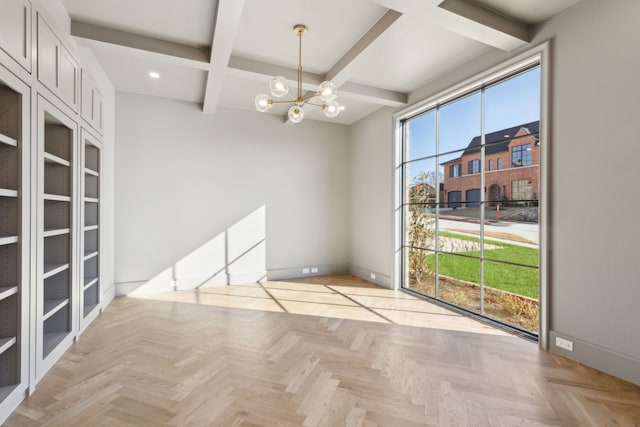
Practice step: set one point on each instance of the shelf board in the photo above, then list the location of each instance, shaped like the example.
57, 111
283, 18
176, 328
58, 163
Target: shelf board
8, 140
92, 281
51, 341
4, 192
89, 255
6, 343
91, 172
90, 227
50, 158
89, 308
53, 269
91, 200
58, 232
52, 306
8, 240
6, 292
57, 198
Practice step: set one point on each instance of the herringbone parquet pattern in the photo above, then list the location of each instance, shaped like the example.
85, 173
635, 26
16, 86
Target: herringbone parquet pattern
355, 355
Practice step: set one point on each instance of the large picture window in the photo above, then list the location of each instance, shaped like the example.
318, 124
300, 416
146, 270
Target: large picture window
471, 239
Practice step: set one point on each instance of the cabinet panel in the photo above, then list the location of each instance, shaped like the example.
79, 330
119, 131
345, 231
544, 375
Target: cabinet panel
57, 68
15, 31
68, 78
91, 104
48, 54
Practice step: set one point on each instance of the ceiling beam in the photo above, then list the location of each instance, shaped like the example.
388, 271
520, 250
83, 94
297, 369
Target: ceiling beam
110, 40
263, 71
467, 19
343, 69
227, 24
487, 26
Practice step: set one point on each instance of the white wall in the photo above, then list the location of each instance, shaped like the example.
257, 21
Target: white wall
210, 199
594, 232
370, 167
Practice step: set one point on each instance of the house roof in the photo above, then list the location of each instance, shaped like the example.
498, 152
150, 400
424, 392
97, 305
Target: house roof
501, 138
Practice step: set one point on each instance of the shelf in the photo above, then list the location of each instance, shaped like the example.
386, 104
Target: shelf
51, 341
8, 193
53, 269
51, 158
6, 292
57, 198
56, 232
8, 240
91, 200
7, 140
6, 343
90, 284
90, 227
90, 255
91, 172
52, 306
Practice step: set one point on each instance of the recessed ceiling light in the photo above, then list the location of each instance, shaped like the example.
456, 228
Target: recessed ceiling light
154, 75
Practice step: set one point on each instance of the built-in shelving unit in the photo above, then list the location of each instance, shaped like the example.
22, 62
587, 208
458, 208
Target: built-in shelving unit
90, 212
14, 291
56, 279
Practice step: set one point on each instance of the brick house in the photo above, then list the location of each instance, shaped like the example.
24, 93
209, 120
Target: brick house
512, 159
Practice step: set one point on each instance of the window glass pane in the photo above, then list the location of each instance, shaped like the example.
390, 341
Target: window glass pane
458, 280
513, 102
422, 276
421, 136
460, 123
420, 199
511, 294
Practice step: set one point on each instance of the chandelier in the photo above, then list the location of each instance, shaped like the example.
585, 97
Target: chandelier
327, 91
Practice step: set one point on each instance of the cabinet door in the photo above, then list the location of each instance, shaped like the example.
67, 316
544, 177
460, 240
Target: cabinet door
68, 78
48, 54
86, 96
15, 31
97, 109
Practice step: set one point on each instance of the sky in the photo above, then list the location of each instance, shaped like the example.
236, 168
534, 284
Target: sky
509, 103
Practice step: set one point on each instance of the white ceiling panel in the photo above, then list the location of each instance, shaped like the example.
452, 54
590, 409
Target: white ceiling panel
131, 74
188, 22
266, 30
529, 11
410, 55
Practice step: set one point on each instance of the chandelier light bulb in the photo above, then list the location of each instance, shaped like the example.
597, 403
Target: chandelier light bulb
331, 109
279, 87
263, 103
328, 91
296, 114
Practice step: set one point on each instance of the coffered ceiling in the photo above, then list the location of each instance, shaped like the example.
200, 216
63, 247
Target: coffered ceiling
222, 53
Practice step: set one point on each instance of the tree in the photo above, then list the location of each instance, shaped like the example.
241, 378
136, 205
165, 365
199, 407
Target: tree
421, 195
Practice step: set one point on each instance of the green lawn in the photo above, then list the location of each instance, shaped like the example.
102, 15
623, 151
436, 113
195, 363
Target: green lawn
511, 278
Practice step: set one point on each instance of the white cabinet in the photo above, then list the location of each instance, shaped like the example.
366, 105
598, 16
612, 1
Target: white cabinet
57, 68
56, 275
15, 30
14, 239
91, 104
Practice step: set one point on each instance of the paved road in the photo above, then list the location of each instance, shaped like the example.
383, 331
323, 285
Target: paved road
526, 230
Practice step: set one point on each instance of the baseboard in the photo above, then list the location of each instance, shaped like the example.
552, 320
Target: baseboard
164, 284
108, 295
365, 273
611, 362
297, 272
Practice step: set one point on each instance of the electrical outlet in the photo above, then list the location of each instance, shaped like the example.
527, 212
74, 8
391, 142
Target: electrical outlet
314, 269
305, 271
373, 276
563, 343
173, 283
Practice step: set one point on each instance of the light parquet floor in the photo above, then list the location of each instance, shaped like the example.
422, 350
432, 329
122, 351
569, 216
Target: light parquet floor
337, 352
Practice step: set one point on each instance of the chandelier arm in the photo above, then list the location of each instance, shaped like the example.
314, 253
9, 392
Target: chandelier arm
317, 105
282, 102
